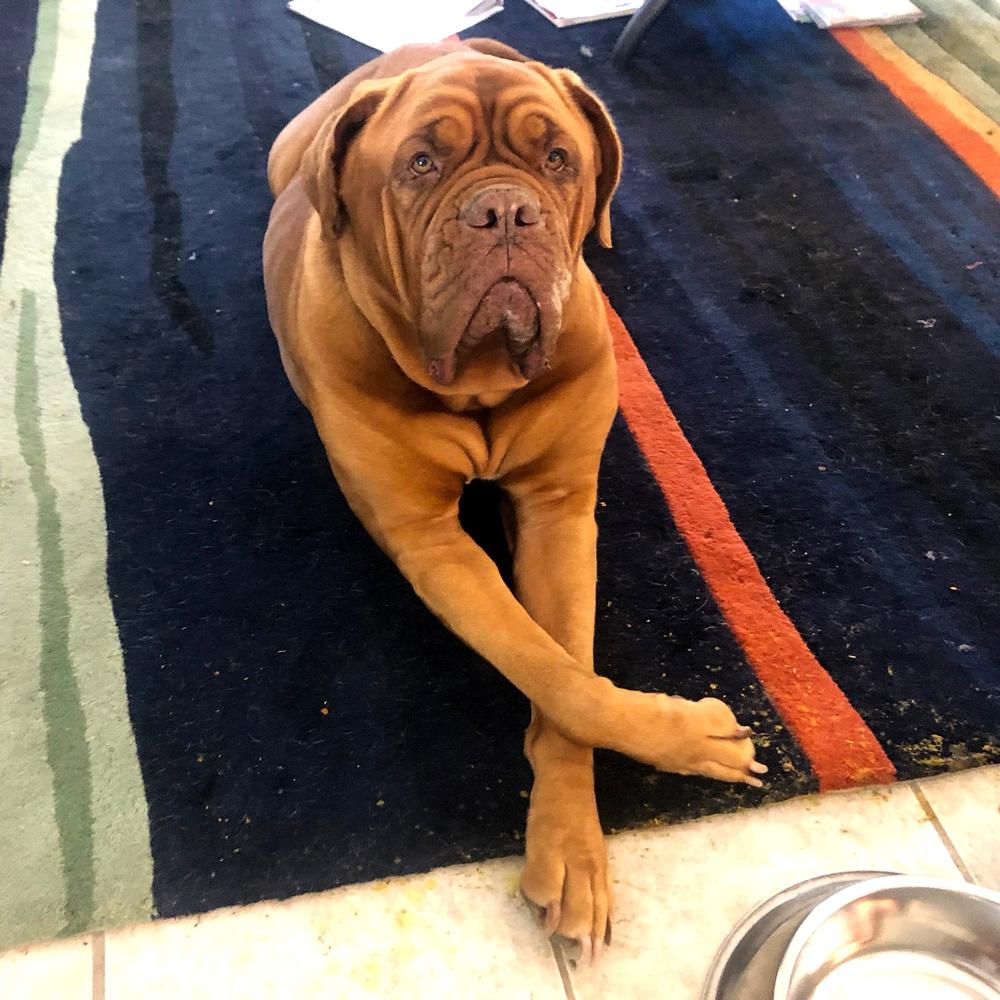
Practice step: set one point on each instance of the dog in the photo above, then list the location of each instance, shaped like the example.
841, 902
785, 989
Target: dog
425, 281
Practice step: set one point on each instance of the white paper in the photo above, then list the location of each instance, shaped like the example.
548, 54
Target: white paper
571, 10
566, 13
387, 24
796, 11
861, 13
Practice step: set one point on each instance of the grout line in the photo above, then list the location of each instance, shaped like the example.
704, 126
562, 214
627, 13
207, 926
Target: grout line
97, 981
942, 833
560, 958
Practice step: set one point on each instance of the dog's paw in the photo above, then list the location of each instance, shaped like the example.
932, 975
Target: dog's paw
692, 737
566, 871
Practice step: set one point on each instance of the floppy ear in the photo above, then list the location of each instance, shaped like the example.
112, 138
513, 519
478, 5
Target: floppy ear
323, 160
609, 149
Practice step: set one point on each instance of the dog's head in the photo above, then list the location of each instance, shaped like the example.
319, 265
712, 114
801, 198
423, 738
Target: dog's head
467, 186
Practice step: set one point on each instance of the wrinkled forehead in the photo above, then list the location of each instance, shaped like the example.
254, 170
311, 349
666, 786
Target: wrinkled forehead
475, 92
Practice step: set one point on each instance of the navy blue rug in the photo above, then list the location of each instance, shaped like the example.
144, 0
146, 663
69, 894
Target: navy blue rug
790, 258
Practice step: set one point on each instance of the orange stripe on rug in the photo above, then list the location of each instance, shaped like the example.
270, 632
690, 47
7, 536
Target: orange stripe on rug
938, 106
841, 749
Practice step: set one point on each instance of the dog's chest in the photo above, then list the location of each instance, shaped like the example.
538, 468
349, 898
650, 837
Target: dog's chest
472, 404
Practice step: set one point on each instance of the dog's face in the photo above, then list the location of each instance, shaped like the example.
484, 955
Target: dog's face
468, 186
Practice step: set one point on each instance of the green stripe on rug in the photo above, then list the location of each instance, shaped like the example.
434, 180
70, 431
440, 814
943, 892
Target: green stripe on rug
915, 43
42, 61
65, 725
74, 831
968, 33
992, 7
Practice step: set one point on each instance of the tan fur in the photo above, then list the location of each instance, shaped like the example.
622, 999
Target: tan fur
340, 285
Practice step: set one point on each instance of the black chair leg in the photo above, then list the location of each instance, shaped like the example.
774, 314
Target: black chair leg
637, 26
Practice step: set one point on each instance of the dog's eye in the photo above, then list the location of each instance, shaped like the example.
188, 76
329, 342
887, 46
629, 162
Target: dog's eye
422, 164
556, 159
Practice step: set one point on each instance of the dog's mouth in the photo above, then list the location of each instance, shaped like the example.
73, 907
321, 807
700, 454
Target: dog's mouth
508, 310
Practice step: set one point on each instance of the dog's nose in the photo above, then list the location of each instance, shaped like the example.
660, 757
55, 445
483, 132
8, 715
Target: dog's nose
503, 207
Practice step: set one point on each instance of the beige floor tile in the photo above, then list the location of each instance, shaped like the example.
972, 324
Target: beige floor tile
679, 890
460, 932
60, 970
967, 806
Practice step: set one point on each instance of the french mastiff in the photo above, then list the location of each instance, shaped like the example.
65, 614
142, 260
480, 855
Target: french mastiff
425, 281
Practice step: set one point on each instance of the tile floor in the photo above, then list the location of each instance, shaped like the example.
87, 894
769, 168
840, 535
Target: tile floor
463, 932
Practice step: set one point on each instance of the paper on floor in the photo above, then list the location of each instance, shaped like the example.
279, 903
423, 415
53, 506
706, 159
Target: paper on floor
387, 24
861, 13
796, 11
565, 13
852, 13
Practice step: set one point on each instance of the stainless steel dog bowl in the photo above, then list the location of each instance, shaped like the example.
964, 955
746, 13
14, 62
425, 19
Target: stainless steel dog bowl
746, 964
899, 936
862, 935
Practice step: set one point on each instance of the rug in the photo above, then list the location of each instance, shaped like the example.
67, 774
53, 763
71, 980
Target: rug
217, 690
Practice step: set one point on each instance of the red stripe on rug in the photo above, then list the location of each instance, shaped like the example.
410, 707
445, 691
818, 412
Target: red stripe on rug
841, 749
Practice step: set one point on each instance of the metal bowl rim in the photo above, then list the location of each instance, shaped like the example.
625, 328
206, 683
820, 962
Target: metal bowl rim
851, 893
734, 938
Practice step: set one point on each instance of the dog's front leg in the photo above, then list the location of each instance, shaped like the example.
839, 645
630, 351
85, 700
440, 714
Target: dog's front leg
406, 492
407, 497
566, 870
